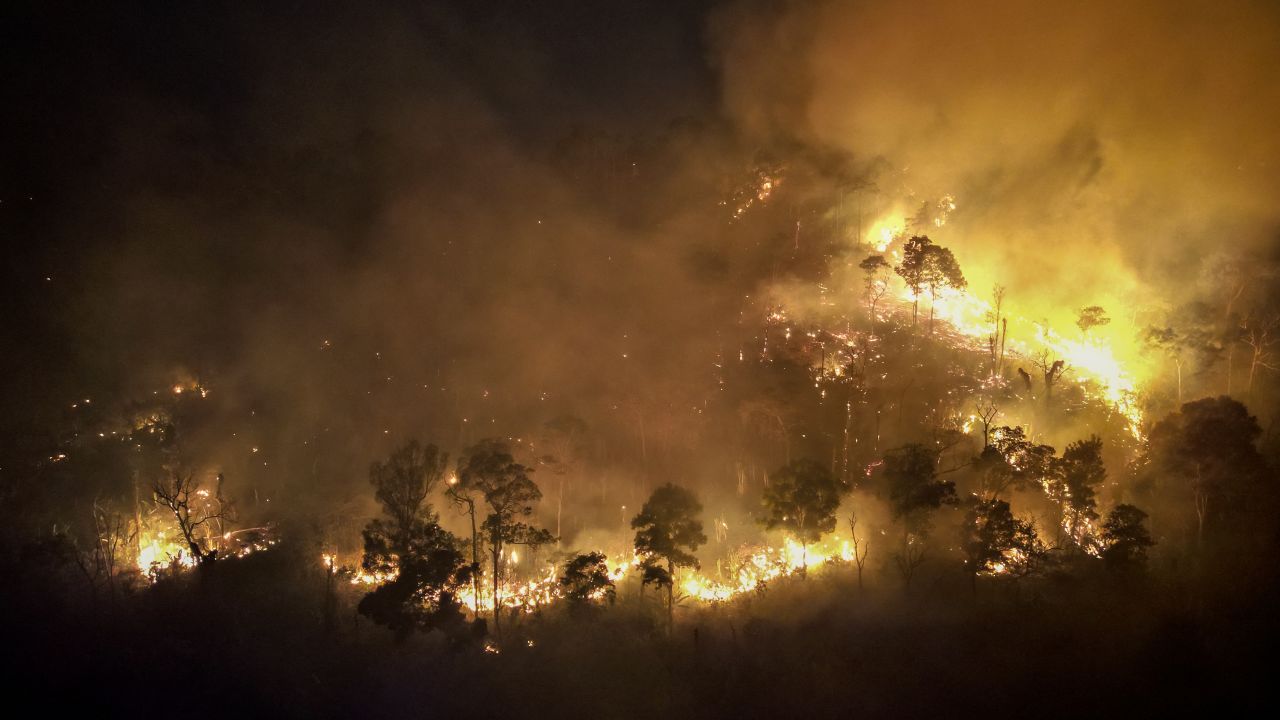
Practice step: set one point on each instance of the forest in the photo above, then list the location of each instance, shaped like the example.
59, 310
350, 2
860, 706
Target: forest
738, 360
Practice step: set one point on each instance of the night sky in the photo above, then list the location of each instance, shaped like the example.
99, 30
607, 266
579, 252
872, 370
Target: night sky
245, 113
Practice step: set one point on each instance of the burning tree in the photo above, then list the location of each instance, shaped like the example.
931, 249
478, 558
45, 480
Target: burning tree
997, 543
194, 510
802, 498
1075, 477
668, 529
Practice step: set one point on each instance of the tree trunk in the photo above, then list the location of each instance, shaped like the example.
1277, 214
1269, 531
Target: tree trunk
671, 596
1231, 354
475, 554
496, 542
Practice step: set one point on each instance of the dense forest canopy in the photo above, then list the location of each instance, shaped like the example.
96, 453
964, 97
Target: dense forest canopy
640, 358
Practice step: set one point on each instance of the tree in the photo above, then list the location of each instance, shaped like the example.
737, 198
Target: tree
1075, 479
802, 499
466, 497
586, 578
915, 492
564, 437
429, 570
1193, 335
941, 271
1125, 539
999, 329
1207, 451
771, 418
1051, 369
861, 546
1260, 333
1091, 317
997, 543
668, 529
194, 510
402, 484
876, 270
491, 472
913, 270
985, 411
420, 559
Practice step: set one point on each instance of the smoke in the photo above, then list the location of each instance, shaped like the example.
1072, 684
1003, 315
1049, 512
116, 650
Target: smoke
1098, 152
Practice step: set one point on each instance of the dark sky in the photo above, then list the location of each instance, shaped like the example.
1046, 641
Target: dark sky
271, 109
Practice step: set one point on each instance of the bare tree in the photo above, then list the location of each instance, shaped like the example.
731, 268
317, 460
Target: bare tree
861, 546
194, 511
100, 562
1260, 334
995, 341
986, 412
1052, 369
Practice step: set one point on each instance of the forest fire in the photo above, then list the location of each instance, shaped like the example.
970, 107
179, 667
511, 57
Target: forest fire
737, 359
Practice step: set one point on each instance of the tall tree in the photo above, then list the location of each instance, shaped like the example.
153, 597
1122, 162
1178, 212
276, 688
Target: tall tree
403, 482
941, 271
876, 281
564, 439
913, 270
915, 492
509, 495
420, 559
668, 529
1206, 452
802, 498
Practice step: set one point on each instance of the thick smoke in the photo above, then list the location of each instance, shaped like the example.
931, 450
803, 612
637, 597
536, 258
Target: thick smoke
1111, 147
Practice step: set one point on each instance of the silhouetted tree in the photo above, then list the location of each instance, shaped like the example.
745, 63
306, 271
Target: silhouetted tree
586, 578
997, 543
802, 499
1091, 317
194, 508
509, 494
1206, 450
876, 270
428, 571
913, 270
667, 528
402, 484
1077, 474
419, 560
1125, 539
941, 271
915, 492
564, 438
